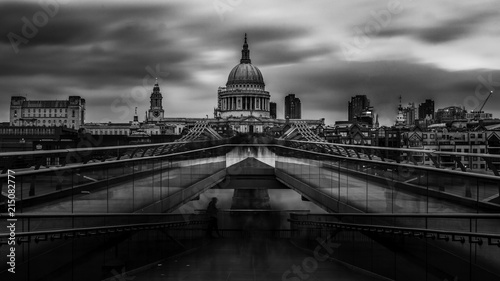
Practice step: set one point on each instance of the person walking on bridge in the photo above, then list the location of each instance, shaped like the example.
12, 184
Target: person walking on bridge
212, 216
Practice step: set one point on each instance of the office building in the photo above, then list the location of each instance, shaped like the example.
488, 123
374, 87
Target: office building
292, 107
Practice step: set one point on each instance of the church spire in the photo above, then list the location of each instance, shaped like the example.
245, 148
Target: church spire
245, 53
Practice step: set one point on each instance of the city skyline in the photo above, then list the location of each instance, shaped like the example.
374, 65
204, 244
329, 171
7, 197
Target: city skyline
112, 58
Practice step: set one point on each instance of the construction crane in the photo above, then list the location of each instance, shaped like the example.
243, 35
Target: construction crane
478, 113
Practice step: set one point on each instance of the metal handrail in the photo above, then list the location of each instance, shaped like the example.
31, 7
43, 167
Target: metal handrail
435, 233
84, 215
70, 150
96, 230
410, 215
398, 149
420, 167
80, 165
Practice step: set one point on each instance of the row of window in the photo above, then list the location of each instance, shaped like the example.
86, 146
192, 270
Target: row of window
49, 121
472, 136
45, 115
109, 132
44, 110
27, 131
25, 113
474, 150
117, 132
248, 86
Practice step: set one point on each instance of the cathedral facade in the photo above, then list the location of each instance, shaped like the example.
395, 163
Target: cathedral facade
245, 93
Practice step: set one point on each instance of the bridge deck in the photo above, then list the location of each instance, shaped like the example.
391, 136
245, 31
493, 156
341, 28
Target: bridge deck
229, 259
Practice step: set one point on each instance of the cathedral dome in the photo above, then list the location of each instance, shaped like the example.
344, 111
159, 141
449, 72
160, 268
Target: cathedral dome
245, 72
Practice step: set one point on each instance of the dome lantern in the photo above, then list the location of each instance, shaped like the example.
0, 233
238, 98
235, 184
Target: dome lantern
245, 53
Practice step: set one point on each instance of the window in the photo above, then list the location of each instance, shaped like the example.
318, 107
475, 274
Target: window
73, 113
425, 136
472, 136
479, 136
474, 150
482, 166
432, 136
482, 150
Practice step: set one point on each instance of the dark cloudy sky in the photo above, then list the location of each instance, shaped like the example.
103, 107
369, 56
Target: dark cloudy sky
323, 51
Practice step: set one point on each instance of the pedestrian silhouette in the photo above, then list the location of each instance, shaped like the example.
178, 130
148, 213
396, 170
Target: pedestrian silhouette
212, 216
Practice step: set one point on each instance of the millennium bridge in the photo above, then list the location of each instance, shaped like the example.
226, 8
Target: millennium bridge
290, 208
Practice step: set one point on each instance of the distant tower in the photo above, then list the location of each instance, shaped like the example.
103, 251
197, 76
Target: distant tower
156, 112
356, 106
426, 110
400, 118
376, 121
272, 107
292, 107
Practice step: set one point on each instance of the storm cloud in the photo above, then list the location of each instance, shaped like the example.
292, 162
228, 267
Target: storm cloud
111, 52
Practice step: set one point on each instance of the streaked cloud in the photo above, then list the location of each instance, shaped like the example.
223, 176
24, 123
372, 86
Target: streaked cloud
103, 50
